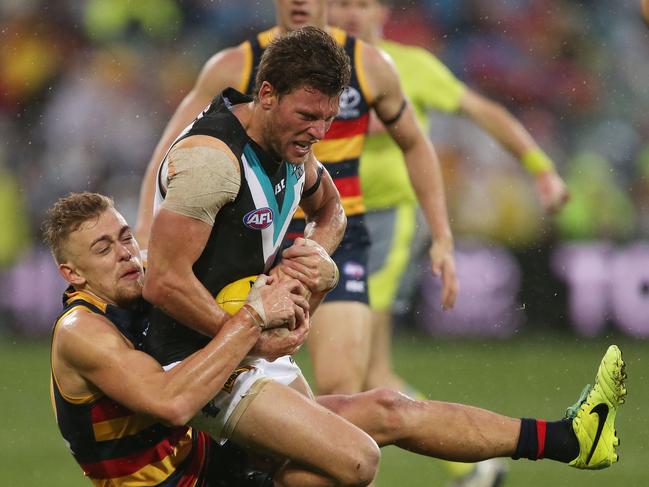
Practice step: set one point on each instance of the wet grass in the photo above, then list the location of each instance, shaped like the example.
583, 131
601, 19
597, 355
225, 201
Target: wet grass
533, 376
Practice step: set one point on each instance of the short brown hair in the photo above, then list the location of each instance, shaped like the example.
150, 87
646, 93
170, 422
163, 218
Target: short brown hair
305, 57
68, 214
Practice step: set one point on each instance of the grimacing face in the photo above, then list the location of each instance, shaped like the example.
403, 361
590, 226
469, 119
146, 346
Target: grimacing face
294, 14
360, 18
297, 120
104, 258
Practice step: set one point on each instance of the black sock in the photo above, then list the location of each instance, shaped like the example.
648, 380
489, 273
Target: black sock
527, 440
540, 439
560, 441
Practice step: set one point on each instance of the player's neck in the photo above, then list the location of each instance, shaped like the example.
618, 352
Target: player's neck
251, 119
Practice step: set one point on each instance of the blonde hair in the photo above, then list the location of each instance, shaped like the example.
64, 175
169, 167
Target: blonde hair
67, 215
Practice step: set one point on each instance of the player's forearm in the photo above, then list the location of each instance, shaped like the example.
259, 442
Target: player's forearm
426, 178
327, 225
498, 122
183, 297
198, 378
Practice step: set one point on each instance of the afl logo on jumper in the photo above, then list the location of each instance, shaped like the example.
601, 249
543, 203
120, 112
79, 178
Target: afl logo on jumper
349, 101
258, 219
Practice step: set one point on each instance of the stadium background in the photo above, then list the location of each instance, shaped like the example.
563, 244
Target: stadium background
85, 91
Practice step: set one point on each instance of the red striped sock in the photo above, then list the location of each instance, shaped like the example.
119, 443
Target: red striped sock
540, 438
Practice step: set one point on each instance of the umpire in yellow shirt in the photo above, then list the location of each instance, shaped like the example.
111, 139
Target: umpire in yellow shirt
390, 200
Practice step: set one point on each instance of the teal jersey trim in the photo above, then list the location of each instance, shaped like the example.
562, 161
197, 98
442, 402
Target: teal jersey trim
279, 215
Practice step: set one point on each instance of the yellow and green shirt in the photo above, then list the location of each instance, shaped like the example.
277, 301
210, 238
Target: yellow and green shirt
428, 84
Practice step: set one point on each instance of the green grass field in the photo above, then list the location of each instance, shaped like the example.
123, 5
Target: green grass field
528, 376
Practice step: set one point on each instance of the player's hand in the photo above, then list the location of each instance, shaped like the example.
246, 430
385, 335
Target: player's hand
443, 265
280, 303
310, 264
552, 191
278, 342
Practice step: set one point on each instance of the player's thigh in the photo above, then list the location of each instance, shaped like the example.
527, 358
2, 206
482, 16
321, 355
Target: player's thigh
339, 343
281, 421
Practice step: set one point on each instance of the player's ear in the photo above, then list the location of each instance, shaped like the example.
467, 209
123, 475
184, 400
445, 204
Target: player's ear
71, 275
267, 95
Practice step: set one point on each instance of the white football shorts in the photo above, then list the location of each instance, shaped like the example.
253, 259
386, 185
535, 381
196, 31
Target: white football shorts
220, 416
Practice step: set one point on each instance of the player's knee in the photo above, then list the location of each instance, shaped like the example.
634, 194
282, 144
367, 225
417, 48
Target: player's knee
363, 464
390, 406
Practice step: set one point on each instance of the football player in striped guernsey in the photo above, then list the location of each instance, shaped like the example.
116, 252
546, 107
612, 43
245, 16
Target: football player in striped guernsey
121, 415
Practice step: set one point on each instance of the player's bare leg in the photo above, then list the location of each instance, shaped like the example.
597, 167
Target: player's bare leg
380, 371
339, 344
586, 438
323, 448
442, 430
381, 374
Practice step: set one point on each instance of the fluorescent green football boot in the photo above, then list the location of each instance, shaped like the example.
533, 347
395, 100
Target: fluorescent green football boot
593, 416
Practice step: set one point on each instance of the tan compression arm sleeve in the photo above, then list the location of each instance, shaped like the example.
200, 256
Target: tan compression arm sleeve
200, 181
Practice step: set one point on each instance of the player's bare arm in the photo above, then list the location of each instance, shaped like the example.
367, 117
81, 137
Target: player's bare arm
89, 353
326, 221
222, 70
497, 121
182, 228
180, 233
392, 108
308, 259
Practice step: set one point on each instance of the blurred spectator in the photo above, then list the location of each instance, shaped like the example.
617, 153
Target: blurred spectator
107, 20
14, 237
641, 192
599, 209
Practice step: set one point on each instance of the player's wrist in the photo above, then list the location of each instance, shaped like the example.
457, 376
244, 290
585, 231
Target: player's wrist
537, 162
252, 313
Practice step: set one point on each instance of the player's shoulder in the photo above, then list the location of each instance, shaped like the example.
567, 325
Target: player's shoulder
204, 153
398, 50
80, 321
375, 61
230, 58
82, 328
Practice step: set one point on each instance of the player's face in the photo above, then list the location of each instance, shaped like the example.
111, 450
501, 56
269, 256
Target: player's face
360, 18
104, 258
294, 14
297, 121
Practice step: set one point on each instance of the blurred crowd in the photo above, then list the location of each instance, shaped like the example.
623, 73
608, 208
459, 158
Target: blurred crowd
87, 87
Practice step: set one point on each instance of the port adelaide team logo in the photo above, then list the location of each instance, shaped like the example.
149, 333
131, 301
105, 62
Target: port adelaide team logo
258, 219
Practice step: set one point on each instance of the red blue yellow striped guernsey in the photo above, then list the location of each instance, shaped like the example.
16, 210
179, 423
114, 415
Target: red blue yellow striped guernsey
342, 146
113, 445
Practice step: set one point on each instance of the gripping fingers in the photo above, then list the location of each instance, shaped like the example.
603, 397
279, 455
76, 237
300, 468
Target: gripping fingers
300, 301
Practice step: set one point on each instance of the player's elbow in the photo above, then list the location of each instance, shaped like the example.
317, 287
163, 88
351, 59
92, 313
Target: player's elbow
176, 412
